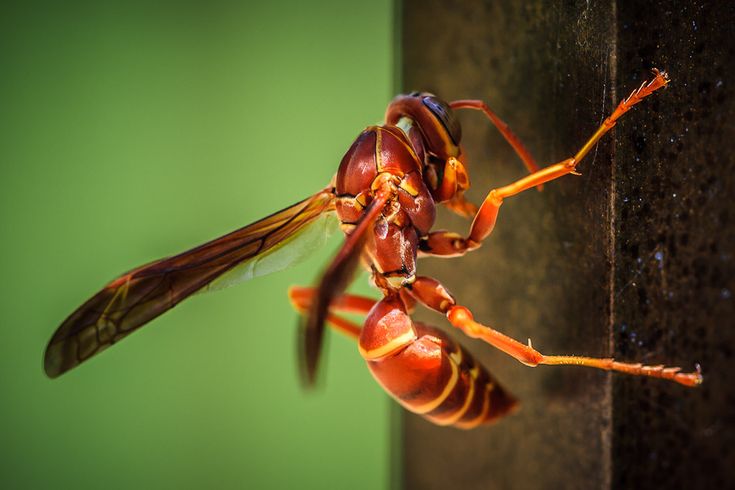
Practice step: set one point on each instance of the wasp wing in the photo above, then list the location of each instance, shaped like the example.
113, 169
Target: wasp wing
292, 250
333, 283
135, 298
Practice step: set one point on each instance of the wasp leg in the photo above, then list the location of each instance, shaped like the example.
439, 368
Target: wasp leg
302, 297
460, 317
434, 295
443, 243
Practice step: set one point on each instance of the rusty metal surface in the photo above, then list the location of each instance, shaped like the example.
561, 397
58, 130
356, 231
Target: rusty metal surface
589, 266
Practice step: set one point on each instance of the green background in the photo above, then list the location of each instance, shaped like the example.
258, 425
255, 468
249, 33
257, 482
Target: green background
130, 132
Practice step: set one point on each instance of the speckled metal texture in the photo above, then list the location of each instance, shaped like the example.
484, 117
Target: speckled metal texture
633, 258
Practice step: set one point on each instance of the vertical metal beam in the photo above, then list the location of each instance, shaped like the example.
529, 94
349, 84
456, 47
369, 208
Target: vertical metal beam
634, 258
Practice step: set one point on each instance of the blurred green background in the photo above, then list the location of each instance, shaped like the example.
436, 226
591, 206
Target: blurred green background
134, 131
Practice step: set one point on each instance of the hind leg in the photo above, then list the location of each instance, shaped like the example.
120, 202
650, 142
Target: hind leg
302, 297
433, 294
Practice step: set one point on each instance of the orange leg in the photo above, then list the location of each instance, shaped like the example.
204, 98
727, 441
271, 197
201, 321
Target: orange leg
460, 317
485, 219
444, 243
302, 297
434, 295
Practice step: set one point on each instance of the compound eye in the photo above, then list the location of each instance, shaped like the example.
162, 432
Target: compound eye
445, 115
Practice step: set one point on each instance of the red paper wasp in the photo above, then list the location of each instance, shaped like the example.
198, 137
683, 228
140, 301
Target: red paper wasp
384, 196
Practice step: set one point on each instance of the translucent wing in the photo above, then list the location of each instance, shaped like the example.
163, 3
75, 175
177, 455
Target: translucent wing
135, 298
292, 250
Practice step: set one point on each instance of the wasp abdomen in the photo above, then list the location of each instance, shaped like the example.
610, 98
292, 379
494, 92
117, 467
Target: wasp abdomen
436, 378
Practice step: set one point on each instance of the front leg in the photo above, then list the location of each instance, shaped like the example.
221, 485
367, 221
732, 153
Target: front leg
450, 244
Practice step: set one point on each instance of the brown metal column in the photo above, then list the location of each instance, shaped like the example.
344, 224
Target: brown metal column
589, 265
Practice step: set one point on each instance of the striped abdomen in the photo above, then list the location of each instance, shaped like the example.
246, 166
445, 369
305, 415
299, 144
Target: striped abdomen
439, 380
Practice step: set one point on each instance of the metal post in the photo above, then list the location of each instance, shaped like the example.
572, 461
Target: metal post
632, 259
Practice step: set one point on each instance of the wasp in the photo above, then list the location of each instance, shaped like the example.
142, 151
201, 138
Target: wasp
384, 198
